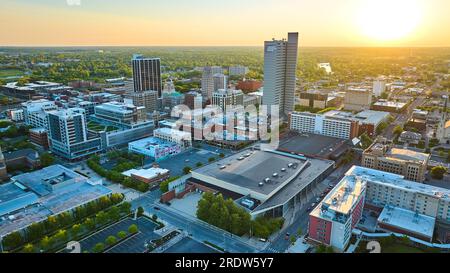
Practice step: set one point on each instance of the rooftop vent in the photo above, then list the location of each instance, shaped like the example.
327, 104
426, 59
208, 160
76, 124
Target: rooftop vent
261, 184
283, 169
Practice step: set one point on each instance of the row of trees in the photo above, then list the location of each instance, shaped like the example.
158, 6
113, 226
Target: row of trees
112, 240
116, 176
53, 230
225, 214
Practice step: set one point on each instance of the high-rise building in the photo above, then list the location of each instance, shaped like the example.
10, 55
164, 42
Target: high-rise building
280, 66
148, 99
225, 98
237, 70
220, 81
208, 81
379, 87
68, 134
357, 99
147, 74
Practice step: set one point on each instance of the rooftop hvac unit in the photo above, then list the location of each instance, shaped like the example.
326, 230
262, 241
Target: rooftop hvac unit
267, 180
275, 174
261, 184
283, 169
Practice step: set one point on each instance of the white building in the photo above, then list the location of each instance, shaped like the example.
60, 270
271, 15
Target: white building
16, 115
173, 135
237, 70
322, 125
220, 81
379, 87
326, 67
35, 112
225, 98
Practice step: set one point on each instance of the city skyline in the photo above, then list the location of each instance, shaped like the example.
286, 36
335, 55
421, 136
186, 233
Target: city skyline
352, 23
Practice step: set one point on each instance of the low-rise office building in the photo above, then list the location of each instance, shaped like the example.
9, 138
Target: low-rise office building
35, 112
150, 176
389, 106
411, 164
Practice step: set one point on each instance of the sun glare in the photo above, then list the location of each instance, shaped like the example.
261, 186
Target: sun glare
388, 20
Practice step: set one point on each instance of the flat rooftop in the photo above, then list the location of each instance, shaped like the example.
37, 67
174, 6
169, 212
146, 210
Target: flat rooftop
408, 220
407, 155
392, 104
247, 169
365, 117
314, 169
149, 142
28, 199
36, 181
341, 199
311, 144
397, 181
147, 173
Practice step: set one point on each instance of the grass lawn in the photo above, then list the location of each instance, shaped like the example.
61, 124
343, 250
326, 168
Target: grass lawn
98, 127
4, 73
400, 248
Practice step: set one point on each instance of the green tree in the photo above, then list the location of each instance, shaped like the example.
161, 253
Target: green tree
140, 211
89, 223
98, 248
35, 231
438, 172
125, 208
111, 240
47, 159
75, 230
381, 127
45, 243
121, 234
133, 229
28, 248
13, 240
397, 130
60, 236
187, 170
293, 239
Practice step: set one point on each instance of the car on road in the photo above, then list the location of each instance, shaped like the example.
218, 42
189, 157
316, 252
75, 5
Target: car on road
156, 208
287, 236
309, 209
262, 240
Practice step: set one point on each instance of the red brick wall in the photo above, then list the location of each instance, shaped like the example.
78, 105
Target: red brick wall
317, 226
166, 197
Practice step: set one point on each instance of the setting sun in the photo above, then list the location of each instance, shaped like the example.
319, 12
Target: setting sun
387, 20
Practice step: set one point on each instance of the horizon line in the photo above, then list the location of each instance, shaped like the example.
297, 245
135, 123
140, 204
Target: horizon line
199, 46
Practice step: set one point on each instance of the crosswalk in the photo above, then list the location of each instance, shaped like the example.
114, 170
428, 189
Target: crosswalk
271, 250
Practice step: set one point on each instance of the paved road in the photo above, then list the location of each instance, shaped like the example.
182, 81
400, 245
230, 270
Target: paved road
403, 118
198, 230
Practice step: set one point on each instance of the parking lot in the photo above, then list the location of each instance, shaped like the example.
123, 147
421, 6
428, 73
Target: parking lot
189, 245
134, 244
188, 204
188, 158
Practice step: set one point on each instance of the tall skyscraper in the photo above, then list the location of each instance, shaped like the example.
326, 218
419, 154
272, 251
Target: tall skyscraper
207, 82
280, 66
220, 81
147, 74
